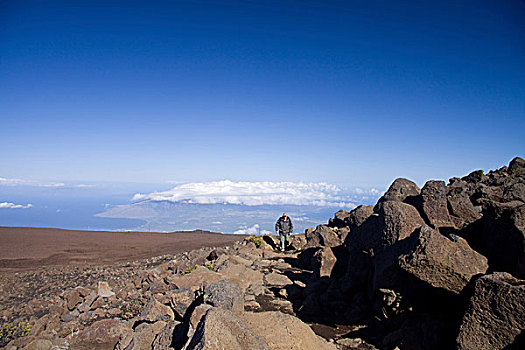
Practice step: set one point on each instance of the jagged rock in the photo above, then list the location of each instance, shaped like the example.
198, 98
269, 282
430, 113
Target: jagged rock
180, 301
359, 215
323, 262
101, 335
145, 334
284, 332
502, 239
355, 343
196, 279
495, 317
38, 344
422, 332
275, 279
433, 204
221, 329
225, 295
72, 298
322, 236
442, 262
339, 219
297, 242
393, 222
514, 192
156, 311
240, 273
474, 177
517, 167
462, 210
104, 291
399, 191
198, 313
165, 336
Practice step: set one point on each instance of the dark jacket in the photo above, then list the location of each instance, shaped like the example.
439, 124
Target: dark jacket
283, 225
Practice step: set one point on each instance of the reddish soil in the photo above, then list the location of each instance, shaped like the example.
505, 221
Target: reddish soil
23, 248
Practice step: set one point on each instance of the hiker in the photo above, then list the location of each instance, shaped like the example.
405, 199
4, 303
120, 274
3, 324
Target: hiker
284, 228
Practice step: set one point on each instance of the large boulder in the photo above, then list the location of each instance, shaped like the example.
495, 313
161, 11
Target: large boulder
399, 191
517, 167
284, 332
359, 215
225, 295
502, 239
495, 317
462, 211
221, 329
433, 204
323, 262
180, 301
196, 279
322, 236
339, 219
442, 262
101, 335
145, 334
156, 311
240, 273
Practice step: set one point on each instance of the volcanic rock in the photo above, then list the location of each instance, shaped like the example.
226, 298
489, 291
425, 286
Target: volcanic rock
180, 301
322, 236
104, 291
399, 191
225, 295
495, 317
442, 262
222, 329
433, 204
156, 311
323, 262
103, 334
284, 332
339, 219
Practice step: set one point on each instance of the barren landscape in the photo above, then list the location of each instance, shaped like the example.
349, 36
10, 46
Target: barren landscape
23, 248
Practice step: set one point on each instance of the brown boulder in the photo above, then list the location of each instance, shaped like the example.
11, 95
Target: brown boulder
322, 236
156, 311
495, 317
359, 215
462, 211
517, 167
339, 219
221, 329
442, 262
164, 338
399, 191
433, 204
323, 262
225, 295
284, 332
502, 238
180, 301
101, 335
196, 279
145, 334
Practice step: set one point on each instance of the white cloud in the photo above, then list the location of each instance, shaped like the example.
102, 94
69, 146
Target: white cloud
252, 193
254, 230
8, 205
20, 182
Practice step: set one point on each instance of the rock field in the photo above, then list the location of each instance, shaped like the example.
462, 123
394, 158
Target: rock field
441, 267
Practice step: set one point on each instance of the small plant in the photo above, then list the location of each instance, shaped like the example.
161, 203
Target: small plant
189, 269
258, 241
133, 307
11, 331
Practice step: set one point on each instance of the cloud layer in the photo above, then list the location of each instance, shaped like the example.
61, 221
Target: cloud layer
253, 230
8, 205
252, 193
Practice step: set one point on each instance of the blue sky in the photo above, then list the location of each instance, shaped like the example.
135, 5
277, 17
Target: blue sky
343, 92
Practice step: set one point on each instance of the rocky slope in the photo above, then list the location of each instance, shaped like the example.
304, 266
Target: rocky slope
440, 267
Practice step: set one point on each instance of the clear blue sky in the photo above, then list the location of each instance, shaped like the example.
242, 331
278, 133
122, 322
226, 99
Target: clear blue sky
346, 92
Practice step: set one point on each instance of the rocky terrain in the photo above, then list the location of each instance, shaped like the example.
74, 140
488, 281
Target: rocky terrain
441, 267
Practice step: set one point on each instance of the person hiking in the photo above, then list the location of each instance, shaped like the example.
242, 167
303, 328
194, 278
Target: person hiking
284, 228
